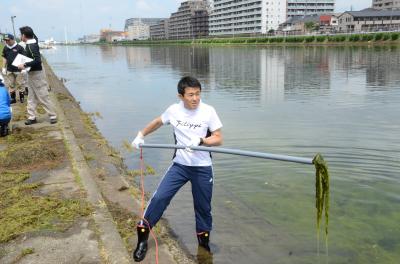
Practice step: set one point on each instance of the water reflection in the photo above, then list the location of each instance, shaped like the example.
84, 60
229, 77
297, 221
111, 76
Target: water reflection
139, 57
110, 53
187, 60
268, 75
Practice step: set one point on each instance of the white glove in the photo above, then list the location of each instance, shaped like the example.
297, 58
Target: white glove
4, 71
139, 140
193, 143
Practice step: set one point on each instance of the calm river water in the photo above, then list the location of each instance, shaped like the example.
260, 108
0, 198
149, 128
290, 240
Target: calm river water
343, 102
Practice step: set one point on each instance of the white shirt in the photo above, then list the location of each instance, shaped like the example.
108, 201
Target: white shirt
190, 124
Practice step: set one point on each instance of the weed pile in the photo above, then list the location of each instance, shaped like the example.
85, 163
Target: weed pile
24, 210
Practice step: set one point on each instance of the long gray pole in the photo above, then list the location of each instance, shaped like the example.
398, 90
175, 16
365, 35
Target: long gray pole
234, 152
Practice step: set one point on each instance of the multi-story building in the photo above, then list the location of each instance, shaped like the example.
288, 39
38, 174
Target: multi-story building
296, 8
160, 30
199, 23
147, 21
138, 30
230, 17
180, 22
386, 4
369, 20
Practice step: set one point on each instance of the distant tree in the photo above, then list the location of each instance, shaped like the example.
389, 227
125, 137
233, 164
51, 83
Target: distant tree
311, 26
271, 32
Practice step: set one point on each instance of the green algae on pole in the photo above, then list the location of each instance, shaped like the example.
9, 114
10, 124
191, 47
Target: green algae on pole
321, 191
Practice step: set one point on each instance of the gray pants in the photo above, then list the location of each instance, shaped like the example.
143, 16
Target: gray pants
39, 93
15, 81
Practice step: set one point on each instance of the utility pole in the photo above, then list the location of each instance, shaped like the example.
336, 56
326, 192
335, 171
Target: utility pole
12, 22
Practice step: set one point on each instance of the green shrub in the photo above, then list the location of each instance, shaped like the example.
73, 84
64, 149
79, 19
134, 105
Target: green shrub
395, 36
220, 40
241, 40
251, 40
276, 40
295, 39
378, 36
206, 41
310, 39
354, 37
321, 38
337, 38
262, 40
290, 39
367, 37
386, 36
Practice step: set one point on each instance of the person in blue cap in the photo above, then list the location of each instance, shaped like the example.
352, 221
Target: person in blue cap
14, 77
5, 109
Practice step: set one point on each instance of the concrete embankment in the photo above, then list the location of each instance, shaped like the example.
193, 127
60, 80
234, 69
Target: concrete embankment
65, 196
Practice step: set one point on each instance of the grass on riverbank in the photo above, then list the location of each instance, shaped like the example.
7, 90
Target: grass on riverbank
28, 148
317, 39
23, 208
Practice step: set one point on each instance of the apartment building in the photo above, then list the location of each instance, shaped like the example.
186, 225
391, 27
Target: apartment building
230, 17
181, 22
298, 8
160, 31
369, 21
199, 23
386, 4
144, 20
138, 31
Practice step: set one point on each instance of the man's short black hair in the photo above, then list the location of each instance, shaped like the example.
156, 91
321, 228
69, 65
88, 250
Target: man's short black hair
27, 31
187, 82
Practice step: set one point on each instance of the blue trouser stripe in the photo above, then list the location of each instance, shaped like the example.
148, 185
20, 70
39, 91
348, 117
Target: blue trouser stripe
201, 178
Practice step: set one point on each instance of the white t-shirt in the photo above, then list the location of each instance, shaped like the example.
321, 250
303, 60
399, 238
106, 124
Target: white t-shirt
190, 124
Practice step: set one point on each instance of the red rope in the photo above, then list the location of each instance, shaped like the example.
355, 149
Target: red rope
142, 205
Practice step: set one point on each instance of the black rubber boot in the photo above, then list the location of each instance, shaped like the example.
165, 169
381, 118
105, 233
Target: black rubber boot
29, 122
26, 91
204, 239
141, 249
21, 97
13, 97
3, 130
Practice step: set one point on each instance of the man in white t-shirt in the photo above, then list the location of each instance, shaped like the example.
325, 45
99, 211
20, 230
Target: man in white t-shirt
195, 123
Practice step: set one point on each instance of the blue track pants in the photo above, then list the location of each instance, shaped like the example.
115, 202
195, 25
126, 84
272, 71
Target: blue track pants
201, 178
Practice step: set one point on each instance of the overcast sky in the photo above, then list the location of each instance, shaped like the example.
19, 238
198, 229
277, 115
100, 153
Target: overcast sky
51, 18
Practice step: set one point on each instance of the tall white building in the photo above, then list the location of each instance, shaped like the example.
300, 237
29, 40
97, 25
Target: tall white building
138, 30
230, 17
386, 4
297, 8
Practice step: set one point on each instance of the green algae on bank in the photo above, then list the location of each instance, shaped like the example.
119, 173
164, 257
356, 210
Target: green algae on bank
27, 148
25, 210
